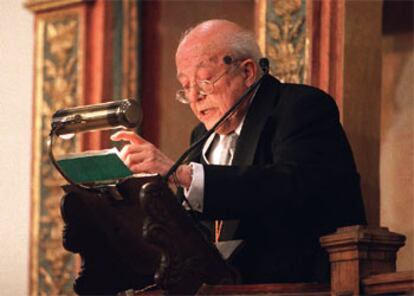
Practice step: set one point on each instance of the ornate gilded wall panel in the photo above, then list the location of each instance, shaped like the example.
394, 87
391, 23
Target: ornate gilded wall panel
59, 66
42, 5
60, 61
282, 37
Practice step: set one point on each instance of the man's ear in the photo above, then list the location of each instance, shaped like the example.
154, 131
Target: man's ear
249, 71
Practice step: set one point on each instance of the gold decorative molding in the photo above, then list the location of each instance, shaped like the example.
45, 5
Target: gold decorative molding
59, 63
42, 5
282, 37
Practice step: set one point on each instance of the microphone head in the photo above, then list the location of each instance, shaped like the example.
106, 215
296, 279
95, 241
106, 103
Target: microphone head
264, 64
227, 60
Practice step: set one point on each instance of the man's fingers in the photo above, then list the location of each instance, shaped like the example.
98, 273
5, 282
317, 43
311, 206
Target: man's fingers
133, 149
138, 168
135, 158
128, 136
140, 155
145, 167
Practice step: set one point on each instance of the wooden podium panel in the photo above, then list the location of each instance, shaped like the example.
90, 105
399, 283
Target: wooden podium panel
267, 289
137, 235
106, 232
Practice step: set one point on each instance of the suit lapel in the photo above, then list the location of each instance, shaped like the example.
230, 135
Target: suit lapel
261, 107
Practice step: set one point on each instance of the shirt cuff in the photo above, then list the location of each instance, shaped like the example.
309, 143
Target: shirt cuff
195, 193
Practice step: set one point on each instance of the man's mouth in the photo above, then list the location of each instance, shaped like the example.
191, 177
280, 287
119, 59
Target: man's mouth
207, 111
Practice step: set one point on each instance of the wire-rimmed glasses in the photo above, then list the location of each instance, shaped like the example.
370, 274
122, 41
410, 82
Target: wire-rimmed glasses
204, 87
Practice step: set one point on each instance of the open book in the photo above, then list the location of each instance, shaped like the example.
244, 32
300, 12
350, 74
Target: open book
101, 166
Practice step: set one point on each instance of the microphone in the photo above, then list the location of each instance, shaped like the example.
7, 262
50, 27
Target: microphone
124, 113
264, 65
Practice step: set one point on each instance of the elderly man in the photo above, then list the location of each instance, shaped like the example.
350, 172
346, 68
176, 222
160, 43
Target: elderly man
279, 172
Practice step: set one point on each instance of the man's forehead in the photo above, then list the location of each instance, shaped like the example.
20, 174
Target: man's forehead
195, 58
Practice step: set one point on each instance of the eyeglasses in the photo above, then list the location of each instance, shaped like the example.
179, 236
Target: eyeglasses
204, 87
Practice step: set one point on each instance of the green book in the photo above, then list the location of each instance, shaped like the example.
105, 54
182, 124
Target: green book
94, 166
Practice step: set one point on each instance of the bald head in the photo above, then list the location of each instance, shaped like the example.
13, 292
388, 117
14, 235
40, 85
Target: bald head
212, 30
220, 36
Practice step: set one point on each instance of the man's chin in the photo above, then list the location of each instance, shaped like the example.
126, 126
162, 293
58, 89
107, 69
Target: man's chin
209, 124
224, 129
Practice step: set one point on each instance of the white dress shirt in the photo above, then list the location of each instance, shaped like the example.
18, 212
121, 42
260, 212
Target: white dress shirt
216, 147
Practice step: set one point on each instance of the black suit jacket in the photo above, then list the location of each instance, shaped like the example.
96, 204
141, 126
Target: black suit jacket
293, 179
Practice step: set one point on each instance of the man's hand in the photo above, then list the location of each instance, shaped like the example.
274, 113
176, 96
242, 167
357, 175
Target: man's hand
141, 156
184, 175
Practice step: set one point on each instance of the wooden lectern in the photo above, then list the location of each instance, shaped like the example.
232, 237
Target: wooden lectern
137, 235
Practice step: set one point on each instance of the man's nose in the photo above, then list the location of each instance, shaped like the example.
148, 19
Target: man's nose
194, 95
